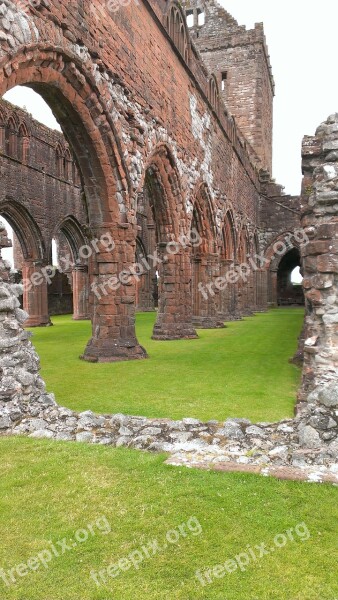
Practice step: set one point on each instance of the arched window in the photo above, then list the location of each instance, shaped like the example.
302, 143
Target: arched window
68, 165
23, 143
177, 31
60, 166
11, 138
213, 93
2, 130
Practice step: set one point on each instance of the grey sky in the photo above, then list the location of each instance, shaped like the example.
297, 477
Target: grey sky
302, 40
302, 37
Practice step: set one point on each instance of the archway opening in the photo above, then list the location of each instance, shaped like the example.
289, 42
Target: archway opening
89, 139
289, 280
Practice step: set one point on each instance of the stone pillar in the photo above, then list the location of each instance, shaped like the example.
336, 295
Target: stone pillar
227, 294
113, 295
318, 395
22, 391
273, 289
174, 318
35, 294
261, 283
207, 304
80, 286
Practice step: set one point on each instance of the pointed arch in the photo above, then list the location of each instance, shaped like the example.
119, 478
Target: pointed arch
76, 238
228, 248
177, 29
12, 137
213, 93
26, 229
203, 219
68, 165
23, 143
243, 247
162, 188
59, 161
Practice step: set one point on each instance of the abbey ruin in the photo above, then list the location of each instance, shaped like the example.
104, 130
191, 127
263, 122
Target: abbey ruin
167, 114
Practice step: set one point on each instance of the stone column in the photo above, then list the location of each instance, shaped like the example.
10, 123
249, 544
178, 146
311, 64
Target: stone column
273, 289
35, 294
318, 395
174, 318
113, 297
207, 305
80, 293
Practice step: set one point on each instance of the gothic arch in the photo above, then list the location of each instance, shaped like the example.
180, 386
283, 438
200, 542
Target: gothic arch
177, 29
228, 247
243, 247
73, 232
162, 188
213, 93
25, 228
64, 84
23, 142
203, 219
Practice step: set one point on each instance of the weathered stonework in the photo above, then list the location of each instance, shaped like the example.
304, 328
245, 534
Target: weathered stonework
318, 397
21, 387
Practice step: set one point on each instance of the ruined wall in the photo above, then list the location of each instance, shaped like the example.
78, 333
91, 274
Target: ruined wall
38, 177
240, 61
319, 393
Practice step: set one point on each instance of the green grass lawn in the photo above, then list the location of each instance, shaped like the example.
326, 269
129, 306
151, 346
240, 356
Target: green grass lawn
241, 371
50, 490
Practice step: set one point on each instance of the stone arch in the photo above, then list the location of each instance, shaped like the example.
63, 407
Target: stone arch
35, 300
71, 88
283, 249
3, 118
228, 247
11, 137
213, 93
203, 219
228, 293
244, 286
78, 266
177, 29
243, 245
146, 284
26, 229
205, 261
60, 161
63, 83
68, 164
23, 142
163, 192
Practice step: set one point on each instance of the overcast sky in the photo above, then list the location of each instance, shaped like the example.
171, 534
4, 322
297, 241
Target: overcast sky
302, 39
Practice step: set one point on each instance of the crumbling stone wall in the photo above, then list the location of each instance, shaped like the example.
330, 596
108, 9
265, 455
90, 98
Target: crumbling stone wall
21, 388
318, 396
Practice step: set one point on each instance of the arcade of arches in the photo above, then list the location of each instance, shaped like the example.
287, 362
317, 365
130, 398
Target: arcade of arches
146, 164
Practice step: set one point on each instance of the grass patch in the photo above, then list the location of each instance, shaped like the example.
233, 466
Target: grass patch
49, 490
241, 371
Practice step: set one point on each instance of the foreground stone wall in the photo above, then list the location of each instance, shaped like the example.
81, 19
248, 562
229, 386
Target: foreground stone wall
21, 387
319, 393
